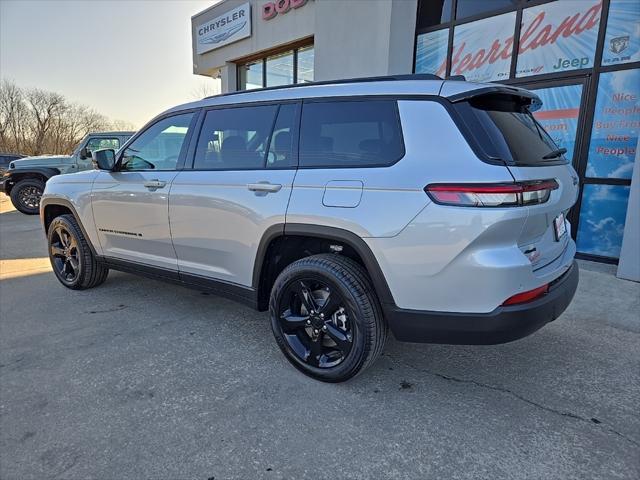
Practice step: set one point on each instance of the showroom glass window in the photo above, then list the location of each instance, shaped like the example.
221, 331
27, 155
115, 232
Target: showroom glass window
283, 68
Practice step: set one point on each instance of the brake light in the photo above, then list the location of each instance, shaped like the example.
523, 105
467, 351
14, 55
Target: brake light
492, 194
527, 296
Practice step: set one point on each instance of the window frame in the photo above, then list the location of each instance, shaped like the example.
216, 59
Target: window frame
183, 150
292, 48
367, 98
104, 138
195, 139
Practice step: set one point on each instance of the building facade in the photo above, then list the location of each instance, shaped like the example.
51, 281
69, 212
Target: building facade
582, 57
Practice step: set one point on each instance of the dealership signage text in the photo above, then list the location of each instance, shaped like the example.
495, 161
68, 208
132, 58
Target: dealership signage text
227, 28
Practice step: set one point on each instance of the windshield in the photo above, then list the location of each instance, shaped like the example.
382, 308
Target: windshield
505, 129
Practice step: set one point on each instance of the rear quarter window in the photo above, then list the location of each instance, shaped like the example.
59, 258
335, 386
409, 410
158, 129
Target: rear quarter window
348, 133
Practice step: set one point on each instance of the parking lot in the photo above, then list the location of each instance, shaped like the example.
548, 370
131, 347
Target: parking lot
140, 379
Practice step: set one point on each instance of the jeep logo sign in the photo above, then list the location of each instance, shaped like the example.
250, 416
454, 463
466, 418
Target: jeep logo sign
279, 7
227, 28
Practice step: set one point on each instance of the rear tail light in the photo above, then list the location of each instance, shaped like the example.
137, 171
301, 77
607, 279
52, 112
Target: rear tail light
527, 296
492, 194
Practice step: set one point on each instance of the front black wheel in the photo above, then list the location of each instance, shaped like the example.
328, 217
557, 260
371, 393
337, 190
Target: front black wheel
26, 194
325, 318
71, 257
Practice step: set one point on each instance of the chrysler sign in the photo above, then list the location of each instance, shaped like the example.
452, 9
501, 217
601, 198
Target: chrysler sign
227, 28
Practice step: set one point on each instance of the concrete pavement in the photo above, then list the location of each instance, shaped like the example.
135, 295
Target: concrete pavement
140, 379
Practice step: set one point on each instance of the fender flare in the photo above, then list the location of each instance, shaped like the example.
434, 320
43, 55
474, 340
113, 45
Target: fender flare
63, 202
46, 172
329, 233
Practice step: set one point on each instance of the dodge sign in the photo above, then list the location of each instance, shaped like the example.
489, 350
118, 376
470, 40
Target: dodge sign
227, 28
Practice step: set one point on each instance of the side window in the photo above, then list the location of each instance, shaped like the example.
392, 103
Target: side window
281, 153
235, 138
159, 146
350, 134
100, 143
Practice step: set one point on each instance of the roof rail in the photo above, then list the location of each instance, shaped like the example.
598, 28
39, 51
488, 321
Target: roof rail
413, 76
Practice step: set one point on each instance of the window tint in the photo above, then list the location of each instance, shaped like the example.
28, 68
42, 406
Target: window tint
281, 153
468, 8
235, 138
350, 134
158, 147
100, 143
506, 130
433, 12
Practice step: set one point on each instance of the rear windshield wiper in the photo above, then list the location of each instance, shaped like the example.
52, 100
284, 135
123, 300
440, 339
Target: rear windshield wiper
555, 153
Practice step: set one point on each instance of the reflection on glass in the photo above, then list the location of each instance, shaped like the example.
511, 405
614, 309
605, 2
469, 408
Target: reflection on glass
280, 69
482, 49
433, 12
431, 52
251, 75
616, 121
558, 36
305, 64
559, 114
602, 218
622, 41
468, 8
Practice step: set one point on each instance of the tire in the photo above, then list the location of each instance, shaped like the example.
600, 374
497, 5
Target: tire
331, 283
25, 195
72, 260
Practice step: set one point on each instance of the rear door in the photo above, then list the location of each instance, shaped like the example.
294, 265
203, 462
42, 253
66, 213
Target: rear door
513, 135
244, 164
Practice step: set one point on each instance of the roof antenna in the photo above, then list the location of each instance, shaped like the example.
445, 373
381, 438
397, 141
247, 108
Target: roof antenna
460, 78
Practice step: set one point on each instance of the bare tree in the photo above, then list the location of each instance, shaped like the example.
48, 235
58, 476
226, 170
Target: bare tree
36, 121
206, 88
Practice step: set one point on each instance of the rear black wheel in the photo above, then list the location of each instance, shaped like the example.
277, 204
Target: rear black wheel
26, 194
325, 318
71, 257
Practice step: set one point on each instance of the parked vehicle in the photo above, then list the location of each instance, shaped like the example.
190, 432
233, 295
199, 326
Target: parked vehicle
435, 208
6, 158
24, 179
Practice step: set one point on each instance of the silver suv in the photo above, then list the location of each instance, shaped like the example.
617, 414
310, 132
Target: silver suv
433, 208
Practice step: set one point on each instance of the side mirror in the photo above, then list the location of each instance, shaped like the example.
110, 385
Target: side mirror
104, 159
84, 154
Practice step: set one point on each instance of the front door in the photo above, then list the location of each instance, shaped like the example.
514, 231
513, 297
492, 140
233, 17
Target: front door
130, 204
239, 186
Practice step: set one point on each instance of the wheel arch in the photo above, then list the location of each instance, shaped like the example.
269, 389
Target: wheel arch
283, 244
38, 173
50, 208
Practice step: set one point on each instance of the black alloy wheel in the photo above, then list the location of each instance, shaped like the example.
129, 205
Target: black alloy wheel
26, 195
315, 322
65, 257
71, 256
326, 318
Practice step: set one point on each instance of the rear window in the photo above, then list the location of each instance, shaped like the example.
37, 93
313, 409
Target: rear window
505, 129
339, 134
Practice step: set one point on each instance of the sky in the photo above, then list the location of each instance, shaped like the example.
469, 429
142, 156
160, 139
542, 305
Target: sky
127, 59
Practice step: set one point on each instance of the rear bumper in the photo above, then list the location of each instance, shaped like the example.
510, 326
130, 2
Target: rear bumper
504, 324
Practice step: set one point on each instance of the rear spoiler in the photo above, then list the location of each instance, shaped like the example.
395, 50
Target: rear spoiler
532, 99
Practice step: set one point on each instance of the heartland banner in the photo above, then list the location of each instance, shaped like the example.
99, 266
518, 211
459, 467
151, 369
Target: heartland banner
616, 123
431, 51
225, 29
482, 49
554, 37
622, 41
559, 114
558, 36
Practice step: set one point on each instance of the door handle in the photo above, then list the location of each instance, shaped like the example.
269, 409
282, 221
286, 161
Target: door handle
154, 184
264, 187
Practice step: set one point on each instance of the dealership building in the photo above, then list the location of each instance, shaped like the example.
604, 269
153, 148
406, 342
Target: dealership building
582, 58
